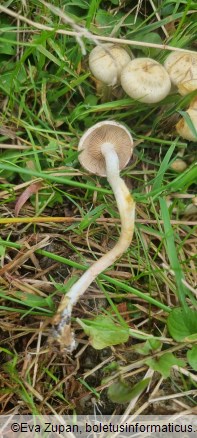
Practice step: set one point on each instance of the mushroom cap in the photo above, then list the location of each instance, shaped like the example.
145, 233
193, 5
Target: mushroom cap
194, 200
146, 80
182, 69
91, 157
106, 62
187, 87
183, 128
193, 103
179, 165
191, 209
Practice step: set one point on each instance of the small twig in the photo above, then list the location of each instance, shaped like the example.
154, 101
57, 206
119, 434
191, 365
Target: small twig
172, 396
23, 256
13, 146
185, 372
194, 291
91, 36
56, 219
80, 31
158, 18
37, 355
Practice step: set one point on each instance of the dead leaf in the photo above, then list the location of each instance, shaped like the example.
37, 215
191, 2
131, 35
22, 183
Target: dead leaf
29, 191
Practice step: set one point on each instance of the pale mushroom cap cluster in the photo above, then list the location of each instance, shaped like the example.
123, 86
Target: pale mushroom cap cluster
146, 80
179, 165
182, 69
184, 130
182, 127
91, 157
106, 62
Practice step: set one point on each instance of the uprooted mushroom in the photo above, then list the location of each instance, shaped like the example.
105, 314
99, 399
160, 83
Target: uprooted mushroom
105, 149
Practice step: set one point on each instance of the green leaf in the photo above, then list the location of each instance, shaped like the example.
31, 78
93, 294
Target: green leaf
32, 300
47, 197
121, 392
63, 288
154, 38
148, 346
155, 344
167, 10
164, 363
182, 324
192, 357
7, 39
106, 21
12, 81
6, 48
9, 156
133, 22
103, 332
172, 252
80, 3
91, 100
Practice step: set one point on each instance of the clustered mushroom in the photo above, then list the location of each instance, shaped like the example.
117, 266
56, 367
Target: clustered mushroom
104, 149
142, 79
107, 61
191, 209
182, 69
146, 80
182, 127
184, 130
178, 165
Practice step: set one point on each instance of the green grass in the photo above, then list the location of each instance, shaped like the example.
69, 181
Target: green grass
48, 99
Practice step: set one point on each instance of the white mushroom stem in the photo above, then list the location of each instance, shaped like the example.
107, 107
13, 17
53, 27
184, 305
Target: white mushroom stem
126, 207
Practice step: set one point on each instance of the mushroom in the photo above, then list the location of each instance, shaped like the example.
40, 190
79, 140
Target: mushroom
191, 209
183, 128
106, 62
193, 103
182, 69
179, 165
104, 149
146, 80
